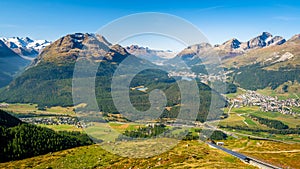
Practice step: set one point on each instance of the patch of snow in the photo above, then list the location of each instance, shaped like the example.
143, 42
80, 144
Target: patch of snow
38, 44
166, 54
26, 44
286, 56
268, 39
78, 40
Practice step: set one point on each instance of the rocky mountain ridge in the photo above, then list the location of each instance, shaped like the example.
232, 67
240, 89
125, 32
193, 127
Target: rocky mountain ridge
25, 47
232, 47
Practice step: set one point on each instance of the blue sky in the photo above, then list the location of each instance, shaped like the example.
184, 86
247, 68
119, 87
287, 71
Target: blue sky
218, 20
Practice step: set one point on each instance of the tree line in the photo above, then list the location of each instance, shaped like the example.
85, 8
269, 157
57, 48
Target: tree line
270, 123
160, 130
20, 140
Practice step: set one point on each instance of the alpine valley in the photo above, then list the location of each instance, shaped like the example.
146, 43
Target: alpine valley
249, 95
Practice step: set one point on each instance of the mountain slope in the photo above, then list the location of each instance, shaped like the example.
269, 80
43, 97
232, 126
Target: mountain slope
267, 67
10, 64
230, 48
6, 120
150, 54
20, 140
263, 61
274, 57
48, 80
25, 46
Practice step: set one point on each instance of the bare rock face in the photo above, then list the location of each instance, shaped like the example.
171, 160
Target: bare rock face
73, 46
231, 44
294, 38
232, 47
264, 40
198, 49
150, 54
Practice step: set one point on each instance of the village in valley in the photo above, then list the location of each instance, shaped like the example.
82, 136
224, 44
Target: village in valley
266, 103
59, 120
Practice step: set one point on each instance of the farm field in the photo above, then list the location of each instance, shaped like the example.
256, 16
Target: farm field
19, 108
238, 117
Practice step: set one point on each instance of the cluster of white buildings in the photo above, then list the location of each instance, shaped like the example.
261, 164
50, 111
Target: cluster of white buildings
211, 78
54, 121
205, 78
182, 74
4, 105
266, 103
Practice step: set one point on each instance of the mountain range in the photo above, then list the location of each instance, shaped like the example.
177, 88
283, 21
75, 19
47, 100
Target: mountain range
273, 59
52, 70
48, 80
10, 64
231, 48
150, 54
49, 76
15, 54
25, 47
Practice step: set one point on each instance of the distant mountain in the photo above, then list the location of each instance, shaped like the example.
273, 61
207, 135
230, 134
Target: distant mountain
270, 66
73, 46
10, 64
230, 48
274, 57
150, 54
265, 39
48, 80
25, 46
274, 60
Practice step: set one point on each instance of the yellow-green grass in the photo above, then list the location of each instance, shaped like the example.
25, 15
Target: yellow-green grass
246, 109
234, 119
61, 110
187, 154
280, 154
238, 117
102, 131
32, 109
249, 121
296, 109
121, 127
288, 138
62, 127
280, 95
234, 95
289, 120
261, 55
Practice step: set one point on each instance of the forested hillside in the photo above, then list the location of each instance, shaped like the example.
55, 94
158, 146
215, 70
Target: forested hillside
21, 140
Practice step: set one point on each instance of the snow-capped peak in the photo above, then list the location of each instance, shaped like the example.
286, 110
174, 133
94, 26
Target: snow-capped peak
38, 44
25, 46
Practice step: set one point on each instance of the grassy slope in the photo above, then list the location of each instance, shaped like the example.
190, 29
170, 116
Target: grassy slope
238, 115
261, 55
293, 91
195, 155
19, 108
279, 154
234, 95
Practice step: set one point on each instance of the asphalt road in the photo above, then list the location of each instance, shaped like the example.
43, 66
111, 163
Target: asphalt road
243, 157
